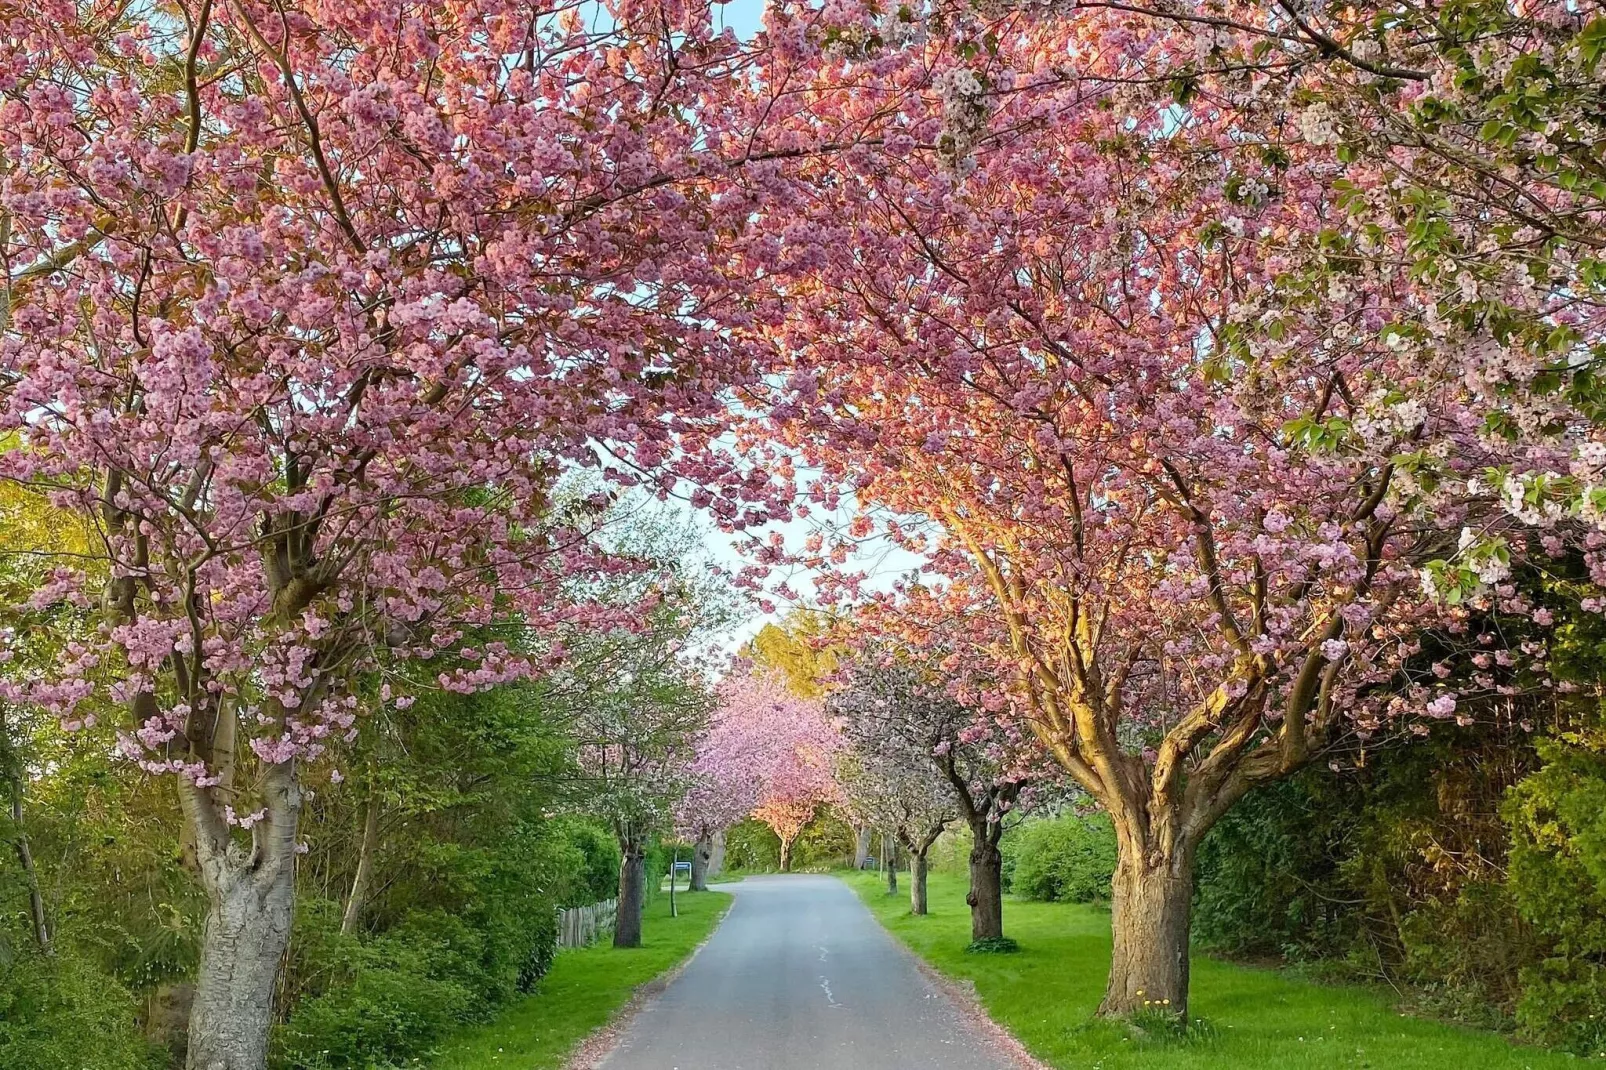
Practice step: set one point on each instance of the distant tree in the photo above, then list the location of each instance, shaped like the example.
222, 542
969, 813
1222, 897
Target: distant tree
640, 696
724, 785
799, 649
779, 749
895, 703
888, 778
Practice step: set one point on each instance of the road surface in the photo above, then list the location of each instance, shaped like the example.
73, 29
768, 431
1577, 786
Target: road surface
799, 976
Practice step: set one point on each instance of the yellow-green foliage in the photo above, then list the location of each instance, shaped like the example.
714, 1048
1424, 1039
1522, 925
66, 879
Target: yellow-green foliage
790, 649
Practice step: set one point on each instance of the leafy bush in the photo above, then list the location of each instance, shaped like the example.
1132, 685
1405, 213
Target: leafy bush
386, 997
1268, 880
50, 1008
373, 1000
543, 947
595, 873
1064, 859
1558, 881
825, 843
1469, 870
752, 846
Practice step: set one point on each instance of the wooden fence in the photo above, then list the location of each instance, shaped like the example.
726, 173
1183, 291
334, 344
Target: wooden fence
579, 926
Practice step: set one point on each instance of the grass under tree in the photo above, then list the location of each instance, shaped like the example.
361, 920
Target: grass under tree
584, 990
1242, 1017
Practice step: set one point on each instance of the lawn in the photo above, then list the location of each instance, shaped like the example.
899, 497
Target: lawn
584, 990
1046, 994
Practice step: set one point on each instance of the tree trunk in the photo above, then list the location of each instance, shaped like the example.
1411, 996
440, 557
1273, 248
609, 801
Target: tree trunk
632, 893
716, 855
365, 870
986, 896
917, 882
701, 854
1150, 915
890, 849
861, 846
19, 842
250, 906
30, 872
786, 854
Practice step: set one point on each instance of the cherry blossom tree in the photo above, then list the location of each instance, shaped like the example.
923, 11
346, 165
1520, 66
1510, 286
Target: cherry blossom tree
637, 713
1461, 154
307, 308
898, 699
638, 698
774, 747
724, 784
887, 775
798, 649
1189, 541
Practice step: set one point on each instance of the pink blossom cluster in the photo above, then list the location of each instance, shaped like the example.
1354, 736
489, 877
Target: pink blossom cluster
767, 753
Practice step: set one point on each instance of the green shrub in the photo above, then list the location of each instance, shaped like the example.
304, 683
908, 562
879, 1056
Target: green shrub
543, 946
384, 998
752, 846
595, 877
1558, 881
825, 843
51, 1008
377, 1000
1065, 859
1464, 955
1268, 880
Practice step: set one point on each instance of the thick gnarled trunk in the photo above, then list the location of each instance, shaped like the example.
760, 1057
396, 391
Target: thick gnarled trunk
986, 896
1150, 917
632, 892
702, 853
250, 907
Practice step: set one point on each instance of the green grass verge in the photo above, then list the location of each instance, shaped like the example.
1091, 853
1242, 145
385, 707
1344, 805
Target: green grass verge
584, 990
1244, 1018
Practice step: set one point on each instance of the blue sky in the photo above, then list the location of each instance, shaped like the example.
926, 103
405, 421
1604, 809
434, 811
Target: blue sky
743, 16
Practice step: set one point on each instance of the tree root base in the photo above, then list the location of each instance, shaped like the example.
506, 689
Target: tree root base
993, 945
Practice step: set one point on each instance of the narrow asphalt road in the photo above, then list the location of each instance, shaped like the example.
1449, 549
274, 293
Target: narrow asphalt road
799, 976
